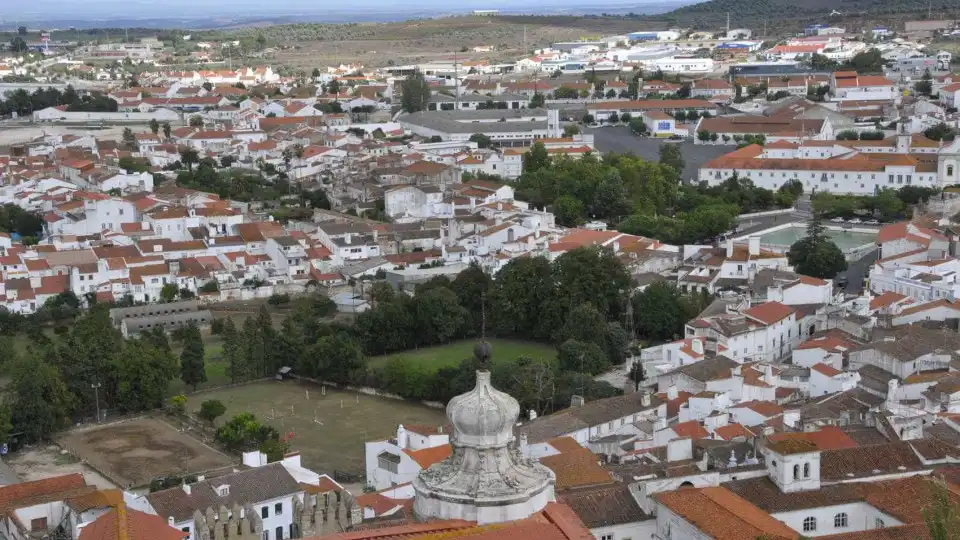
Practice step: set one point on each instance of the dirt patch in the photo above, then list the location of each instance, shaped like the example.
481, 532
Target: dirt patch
135, 452
38, 463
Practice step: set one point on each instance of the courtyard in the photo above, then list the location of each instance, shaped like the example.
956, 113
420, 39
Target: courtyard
329, 426
134, 452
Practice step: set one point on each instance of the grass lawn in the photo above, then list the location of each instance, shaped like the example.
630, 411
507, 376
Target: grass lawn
451, 354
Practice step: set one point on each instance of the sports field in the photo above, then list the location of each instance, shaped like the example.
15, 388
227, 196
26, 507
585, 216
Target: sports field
451, 354
329, 426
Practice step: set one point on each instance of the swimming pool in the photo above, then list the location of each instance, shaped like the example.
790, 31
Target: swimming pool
845, 240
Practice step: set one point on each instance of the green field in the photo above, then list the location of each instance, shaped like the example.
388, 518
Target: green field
451, 354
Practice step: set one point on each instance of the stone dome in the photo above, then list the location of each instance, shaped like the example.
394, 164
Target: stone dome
483, 417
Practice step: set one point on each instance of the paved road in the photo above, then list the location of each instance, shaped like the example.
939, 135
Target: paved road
857, 271
620, 139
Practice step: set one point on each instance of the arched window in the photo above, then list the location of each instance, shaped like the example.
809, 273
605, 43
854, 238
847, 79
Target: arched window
809, 524
949, 170
796, 472
840, 520
806, 470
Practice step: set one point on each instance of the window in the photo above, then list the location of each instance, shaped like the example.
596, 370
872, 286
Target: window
264, 512
278, 509
606, 537
809, 524
878, 523
949, 170
840, 520
806, 470
39, 524
796, 472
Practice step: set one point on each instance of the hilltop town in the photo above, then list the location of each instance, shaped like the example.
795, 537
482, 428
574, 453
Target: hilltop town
671, 284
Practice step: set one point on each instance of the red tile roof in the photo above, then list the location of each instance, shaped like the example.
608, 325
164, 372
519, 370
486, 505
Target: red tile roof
9, 495
691, 429
886, 299
428, 456
824, 369
722, 515
124, 523
770, 312
827, 438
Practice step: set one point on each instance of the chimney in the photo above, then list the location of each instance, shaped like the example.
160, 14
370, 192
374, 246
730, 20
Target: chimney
532, 415
729, 247
697, 345
144, 226
616, 246
186, 488
170, 521
672, 392
348, 238
710, 347
576, 400
754, 243
157, 248
174, 267
376, 234
645, 399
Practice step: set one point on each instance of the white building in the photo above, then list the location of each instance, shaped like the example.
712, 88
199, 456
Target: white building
269, 490
399, 460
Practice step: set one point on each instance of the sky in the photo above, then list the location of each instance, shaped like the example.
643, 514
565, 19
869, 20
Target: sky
116, 9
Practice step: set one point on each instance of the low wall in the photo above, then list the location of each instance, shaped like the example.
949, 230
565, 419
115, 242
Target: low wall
767, 213
366, 390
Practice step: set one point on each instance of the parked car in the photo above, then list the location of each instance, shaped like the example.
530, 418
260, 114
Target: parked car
871, 222
855, 221
837, 220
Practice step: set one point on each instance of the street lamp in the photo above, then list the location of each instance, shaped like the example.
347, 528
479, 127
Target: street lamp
96, 394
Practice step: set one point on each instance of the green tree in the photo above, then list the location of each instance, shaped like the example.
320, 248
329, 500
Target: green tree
244, 432
438, 315
18, 44
941, 132
942, 515
188, 157
671, 156
178, 404
537, 158
210, 410
233, 350
816, 255
582, 357
337, 358
570, 130
415, 93
192, 368
584, 324
169, 292
196, 121
129, 140
41, 402
254, 353
6, 423
591, 275
166, 130
537, 101
143, 374
482, 140
659, 312
154, 126
523, 299
568, 210
472, 287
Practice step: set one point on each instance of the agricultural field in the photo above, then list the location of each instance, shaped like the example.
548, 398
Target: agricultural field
329, 426
134, 452
451, 354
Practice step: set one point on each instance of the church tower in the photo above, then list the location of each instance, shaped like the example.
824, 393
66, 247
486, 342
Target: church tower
485, 479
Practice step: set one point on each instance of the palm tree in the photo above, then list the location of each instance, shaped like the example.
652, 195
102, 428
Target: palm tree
189, 156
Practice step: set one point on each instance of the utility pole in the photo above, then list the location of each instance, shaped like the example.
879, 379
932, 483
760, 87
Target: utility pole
524, 40
96, 393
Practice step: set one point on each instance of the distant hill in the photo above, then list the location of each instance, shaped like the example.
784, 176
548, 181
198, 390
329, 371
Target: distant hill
780, 14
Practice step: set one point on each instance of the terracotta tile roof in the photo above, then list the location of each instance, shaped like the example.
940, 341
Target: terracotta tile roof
907, 230
691, 429
12, 494
428, 456
564, 444
826, 370
577, 468
105, 498
827, 438
123, 523
765, 408
866, 461
722, 515
379, 503
730, 431
604, 506
769, 312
